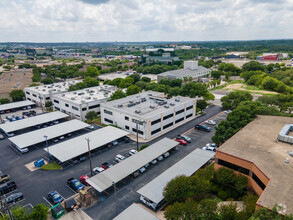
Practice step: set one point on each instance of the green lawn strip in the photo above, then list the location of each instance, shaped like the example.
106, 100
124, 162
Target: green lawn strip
51, 166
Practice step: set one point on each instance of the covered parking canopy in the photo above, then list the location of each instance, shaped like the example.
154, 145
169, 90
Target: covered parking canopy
186, 166
15, 105
32, 121
77, 146
104, 180
135, 212
36, 137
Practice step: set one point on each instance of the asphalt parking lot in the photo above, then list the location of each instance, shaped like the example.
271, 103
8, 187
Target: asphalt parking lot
35, 185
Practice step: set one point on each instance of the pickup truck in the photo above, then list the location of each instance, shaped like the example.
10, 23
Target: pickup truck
7, 187
4, 178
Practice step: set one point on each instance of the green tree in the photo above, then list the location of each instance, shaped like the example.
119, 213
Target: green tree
91, 115
177, 189
252, 66
47, 81
146, 79
176, 83
228, 212
233, 99
141, 84
119, 94
90, 82
224, 176
175, 91
4, 101
125, 83
17, 95
240, 183
133, 89
201, 104
92, 71
136, 77
216, 74
40, 212
48, 104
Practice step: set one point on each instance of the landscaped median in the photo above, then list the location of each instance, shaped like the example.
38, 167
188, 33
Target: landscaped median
51, 166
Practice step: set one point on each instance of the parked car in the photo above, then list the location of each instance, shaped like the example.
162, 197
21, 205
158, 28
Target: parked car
148, 202
106, 165
83, 179
114, 143
4, 178
154, 161
126, 139
10, 134
160, 158
14, 197
228, 111
1, 137
202, 128
97, 170
181, 141
136, 173
22, 150
7, 187
211, 122
56, 122
61, 138
184, 137
18, 118
54, 197
75, 184
55, 140
147, 165
119, 158
210, 147
167, 154
69, 135
91, 127
142, 169
132, 152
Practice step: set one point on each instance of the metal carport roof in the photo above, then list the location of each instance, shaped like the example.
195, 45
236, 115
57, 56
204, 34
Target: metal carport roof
135, 211
36, 137
186, 166
14, 105
32, 121
104, 180
77, 146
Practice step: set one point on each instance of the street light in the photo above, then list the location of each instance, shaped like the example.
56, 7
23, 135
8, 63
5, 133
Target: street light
49, 156
90, 158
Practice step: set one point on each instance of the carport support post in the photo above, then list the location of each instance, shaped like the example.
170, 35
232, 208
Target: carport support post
90, 158
49, 156
114, 185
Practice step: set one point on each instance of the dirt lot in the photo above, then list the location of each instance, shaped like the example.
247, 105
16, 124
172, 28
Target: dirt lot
14, 79
239, 86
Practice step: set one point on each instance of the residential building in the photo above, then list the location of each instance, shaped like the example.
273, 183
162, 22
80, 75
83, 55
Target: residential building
42, 94
262, 151
191, 69
79, 103
148, 113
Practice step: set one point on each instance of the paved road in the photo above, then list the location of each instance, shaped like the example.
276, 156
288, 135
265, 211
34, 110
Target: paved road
35, 185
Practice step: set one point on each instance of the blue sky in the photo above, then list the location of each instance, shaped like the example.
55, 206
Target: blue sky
151, 20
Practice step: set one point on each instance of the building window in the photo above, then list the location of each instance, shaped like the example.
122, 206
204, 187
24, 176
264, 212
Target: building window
179, 112
126, 118
57, 108
47, 98
156, 121
155, 131
83, 109
137, 121
178, 120
27, 93
34, 95
258, 181
66, 105
108, 112
233, 167
28, 99
188, 116
74, 108
168, 125
138, 131
94, 106
189, 107
168, 116
108, 120
56, 101
126, 127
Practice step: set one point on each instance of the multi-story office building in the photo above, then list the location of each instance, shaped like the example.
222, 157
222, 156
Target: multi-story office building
79, 103
148, 113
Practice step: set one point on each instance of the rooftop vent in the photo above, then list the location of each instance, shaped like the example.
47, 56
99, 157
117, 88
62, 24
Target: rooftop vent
72, 98
74, 92
177, 100
131, 104
172, 104
138, 102
150, 94
152, 106
166, 106
120, 106
95, 98
88, 97
63, 95
43, 89
143, 99
82, 101
137, 111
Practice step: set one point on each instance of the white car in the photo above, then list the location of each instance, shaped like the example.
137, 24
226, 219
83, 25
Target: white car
119, 158
210, 147
228, 111
142, 170
166, 154
10, 134
97, 170
211, 122
147, 165
148, 202
154, 161
91, 127
62, 137
160, 158
132, 152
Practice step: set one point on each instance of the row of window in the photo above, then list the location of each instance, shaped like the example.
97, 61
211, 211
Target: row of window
179, 112
168, 125
168, 116
178, 120
155, 131
75, 108
190, 115
56, 101
138, 131
156, 121
108, 112
108, 120
189, 107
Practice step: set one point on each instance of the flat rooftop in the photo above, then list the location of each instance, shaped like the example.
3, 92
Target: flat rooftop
184, 72
32, 121
13, 105
146, 104
36, 137
257, 143
53, 88
87, 95
186, 166
133, 211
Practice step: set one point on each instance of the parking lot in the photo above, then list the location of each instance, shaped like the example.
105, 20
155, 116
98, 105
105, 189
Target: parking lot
35, 185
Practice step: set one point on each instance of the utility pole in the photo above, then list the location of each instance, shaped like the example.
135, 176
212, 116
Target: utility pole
114, 185
49, 156
90, 158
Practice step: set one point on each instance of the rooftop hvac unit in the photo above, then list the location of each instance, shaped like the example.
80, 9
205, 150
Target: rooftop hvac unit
45, 86
120, 106
54, 90
88, 97
37, 87
130, 101
143, 99
72, 98
152, 106
138, 102
82, 101
64, 84
166, 106
150, 94
137, 111
74, 92
91, 94
172, 104
177, 100
63, 95
95, 98
43, 90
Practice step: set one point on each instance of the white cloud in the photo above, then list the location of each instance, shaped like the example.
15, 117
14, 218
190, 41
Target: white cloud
136, 20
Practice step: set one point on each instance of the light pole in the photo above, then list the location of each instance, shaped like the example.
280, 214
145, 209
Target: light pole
49, 156
90, 158
114, 185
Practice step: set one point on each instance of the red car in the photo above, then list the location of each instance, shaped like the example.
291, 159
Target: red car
181, 141
83, 179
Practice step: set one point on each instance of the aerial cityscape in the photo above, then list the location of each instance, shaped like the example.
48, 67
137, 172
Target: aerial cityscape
157, 110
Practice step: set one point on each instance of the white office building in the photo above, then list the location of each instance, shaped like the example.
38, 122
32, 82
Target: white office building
42, 94
149, 113
78, 103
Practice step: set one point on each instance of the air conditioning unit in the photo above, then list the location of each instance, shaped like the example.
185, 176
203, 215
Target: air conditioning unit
137, 111
152, 106
120, 106
166, 106
172, 104
177, 100
72, 98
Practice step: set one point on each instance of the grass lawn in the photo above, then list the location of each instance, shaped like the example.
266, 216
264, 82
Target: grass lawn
51, 166
226, 84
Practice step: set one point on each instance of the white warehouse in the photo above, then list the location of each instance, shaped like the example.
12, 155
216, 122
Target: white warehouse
79, 103
149, 113
42, 94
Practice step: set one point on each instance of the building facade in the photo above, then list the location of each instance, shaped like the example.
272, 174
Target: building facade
149, 114
78, 103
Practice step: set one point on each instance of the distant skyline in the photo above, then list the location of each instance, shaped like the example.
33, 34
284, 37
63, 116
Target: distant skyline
138, 21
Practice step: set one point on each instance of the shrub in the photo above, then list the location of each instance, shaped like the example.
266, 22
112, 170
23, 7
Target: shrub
234, 194
222, 195
143, 147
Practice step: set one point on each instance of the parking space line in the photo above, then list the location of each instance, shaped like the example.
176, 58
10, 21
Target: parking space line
14, 203
47, 201
60, 195
28, 205
71, 189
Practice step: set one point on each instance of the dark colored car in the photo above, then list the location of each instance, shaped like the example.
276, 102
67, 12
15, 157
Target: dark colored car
54, 197
202, 128
7, 187
75, 184
126, 139
14, 197
106, 165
